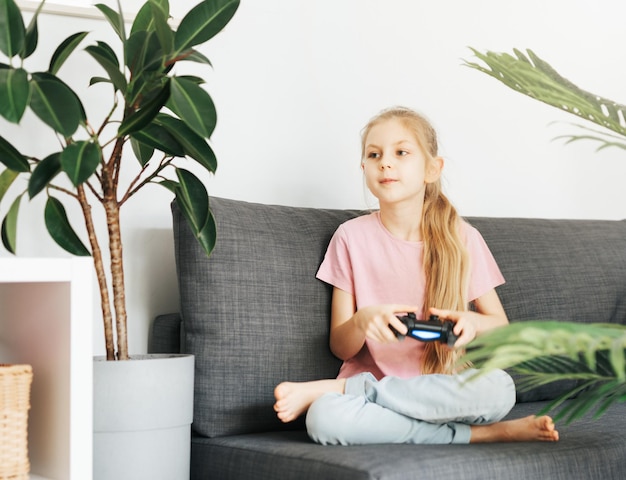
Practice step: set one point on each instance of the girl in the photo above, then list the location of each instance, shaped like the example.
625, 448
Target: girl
413, 253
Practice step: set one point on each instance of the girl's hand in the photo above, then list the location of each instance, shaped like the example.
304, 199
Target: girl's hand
489, 314
466, 324
374, 321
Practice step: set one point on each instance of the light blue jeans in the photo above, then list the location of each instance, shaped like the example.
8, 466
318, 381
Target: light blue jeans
434, 409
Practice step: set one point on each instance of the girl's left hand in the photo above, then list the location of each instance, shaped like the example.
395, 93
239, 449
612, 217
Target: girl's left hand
466, 324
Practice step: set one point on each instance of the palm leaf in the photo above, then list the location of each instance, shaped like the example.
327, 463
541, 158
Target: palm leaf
533, 76
542, 352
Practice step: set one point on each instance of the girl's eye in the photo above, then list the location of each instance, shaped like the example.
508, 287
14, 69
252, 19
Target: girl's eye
402, 153
372, 155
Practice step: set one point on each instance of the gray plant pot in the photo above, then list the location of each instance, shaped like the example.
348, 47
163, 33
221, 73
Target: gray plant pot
143, 410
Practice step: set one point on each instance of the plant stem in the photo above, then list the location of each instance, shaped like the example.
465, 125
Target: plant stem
111, 206
100, 275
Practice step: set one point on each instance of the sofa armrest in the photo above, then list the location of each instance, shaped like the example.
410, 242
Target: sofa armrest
165, 335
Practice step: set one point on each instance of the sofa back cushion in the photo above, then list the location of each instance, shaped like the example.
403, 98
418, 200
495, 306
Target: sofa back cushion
253, 313
571, 270
568, 270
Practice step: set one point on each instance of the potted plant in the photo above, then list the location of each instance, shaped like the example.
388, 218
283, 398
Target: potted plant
547, 351
157, 120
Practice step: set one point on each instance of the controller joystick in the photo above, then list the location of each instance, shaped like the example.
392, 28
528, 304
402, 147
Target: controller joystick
431, 330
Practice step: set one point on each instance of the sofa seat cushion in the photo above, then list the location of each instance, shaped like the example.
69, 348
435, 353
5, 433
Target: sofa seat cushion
588, 449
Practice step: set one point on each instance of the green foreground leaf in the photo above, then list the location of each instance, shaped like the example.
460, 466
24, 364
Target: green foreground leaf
593, 355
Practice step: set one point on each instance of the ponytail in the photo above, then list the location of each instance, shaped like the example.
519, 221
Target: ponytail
446, 266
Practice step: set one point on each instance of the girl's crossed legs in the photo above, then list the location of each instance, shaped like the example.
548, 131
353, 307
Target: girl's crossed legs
424, 409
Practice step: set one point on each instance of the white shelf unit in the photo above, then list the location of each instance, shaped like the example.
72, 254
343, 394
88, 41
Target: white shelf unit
46, 321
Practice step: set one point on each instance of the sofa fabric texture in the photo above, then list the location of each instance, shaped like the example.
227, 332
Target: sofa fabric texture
253, 314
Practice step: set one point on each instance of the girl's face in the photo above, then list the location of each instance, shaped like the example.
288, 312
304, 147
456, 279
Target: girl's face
394, 165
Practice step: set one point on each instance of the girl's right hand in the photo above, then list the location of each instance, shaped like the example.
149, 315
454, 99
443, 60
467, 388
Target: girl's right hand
374, 321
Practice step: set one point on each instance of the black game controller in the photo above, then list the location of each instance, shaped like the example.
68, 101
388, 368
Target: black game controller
431, 330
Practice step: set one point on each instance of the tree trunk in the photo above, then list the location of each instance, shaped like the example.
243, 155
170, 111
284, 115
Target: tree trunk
111, 206
117, 276
96, 253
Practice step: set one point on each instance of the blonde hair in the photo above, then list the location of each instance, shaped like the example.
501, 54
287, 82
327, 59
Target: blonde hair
446, 260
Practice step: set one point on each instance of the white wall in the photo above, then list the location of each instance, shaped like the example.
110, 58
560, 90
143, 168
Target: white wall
294, 81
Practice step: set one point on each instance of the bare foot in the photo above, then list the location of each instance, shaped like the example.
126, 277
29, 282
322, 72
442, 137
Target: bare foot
294, 399
527, 429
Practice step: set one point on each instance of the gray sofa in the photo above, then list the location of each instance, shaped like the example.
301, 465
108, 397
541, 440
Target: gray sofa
254, 315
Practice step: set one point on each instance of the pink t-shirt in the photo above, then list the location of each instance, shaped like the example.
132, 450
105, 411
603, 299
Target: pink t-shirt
365, 260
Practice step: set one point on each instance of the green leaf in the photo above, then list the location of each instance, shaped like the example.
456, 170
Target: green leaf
115, 20
618, 359
162, 5
193, 144
171, 185
14, 93
80, 160
31, 38
11, 158
146, 112
7, 177
44, 173
9, 226
60, 229
144, 20
546, 351
193, 201
192, 197
64, 50
203, 22
142, 152
192, 78
193, 105
12, 30
161, 27
159, 138
534, 77
196, 56
96, 80
105, 56
55, 103
143, 54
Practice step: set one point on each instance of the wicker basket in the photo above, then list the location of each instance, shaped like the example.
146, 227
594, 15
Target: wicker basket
15, 383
